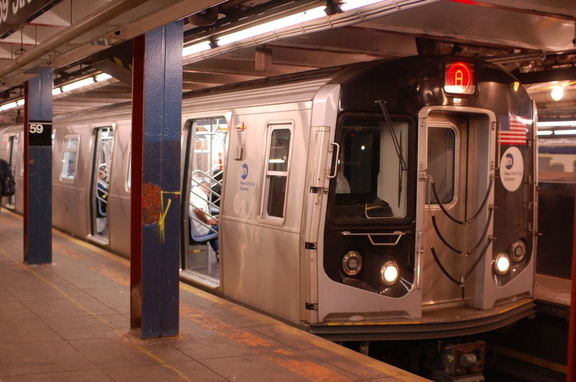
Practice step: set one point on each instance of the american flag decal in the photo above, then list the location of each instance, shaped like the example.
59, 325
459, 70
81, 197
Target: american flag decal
512, 130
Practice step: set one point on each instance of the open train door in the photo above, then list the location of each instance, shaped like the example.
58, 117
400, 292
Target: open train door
100, 185
202, 189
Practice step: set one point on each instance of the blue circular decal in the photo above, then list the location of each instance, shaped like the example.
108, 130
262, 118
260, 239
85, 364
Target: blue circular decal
509, 161
244, 173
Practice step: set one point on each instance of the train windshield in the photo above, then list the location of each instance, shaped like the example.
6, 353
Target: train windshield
371, 178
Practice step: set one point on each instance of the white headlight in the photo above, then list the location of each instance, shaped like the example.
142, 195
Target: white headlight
352, 263
390, 273
501, 264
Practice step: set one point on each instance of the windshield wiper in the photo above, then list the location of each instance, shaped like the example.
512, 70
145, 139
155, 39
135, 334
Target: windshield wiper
397, 146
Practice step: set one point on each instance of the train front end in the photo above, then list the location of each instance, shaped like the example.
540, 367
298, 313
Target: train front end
430, 214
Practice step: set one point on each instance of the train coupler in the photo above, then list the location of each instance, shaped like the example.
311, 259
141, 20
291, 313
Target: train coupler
462, 362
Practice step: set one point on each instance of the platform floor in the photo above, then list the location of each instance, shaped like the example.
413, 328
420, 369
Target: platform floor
69, 321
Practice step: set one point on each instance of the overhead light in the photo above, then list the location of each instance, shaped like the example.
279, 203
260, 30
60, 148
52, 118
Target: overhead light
545, 132
12, 105
557, 92
78, 84
349, 5
103, 77
310, 21
196, 48
61, 89
564, 132
556, 124
285, 22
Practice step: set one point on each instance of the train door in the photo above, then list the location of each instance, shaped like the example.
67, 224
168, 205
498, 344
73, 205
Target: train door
12, 149
458, 192
101, 166
202, 185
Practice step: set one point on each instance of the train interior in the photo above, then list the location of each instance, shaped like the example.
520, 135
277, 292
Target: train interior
104, 144
204, 171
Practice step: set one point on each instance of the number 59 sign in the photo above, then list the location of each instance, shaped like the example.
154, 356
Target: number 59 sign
40, 133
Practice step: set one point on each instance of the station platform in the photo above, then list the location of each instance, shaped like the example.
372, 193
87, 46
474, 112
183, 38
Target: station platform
70, 321
552, 295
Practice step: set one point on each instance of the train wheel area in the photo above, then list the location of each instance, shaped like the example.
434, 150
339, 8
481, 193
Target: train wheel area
70, 321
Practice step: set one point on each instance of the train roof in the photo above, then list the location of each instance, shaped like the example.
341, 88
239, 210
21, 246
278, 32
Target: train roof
395, 80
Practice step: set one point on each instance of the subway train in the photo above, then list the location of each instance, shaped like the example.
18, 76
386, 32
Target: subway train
387, 200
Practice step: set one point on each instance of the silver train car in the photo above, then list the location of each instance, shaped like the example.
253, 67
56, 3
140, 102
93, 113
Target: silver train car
392, 199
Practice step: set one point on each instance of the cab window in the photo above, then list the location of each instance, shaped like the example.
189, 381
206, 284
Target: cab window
371, 170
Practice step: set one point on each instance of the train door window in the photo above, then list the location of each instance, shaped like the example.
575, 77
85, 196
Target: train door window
371, 180
278, 153
442, 162
70, 157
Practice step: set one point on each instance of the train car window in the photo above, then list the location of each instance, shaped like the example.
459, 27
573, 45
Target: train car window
70, 157
371, 181
441, 162
277, 170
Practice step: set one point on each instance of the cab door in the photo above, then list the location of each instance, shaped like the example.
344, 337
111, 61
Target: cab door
455, 195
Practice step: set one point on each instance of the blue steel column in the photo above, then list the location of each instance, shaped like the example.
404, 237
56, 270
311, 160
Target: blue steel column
157, 113
38, 168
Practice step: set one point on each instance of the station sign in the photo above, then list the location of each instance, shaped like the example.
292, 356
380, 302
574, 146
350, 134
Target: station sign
39, 133
15, 13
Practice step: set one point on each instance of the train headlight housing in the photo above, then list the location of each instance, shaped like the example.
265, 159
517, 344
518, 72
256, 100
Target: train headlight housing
518, 251
390, 273
501, 264
352, 263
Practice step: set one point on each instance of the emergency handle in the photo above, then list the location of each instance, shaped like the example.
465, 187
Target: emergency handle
333, 175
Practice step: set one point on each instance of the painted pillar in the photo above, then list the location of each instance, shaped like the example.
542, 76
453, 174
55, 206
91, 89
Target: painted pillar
155, 195
38, 168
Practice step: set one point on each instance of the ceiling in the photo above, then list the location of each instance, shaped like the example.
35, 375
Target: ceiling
535, 40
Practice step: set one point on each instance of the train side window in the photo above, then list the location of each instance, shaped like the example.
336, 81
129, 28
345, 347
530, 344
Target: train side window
279, 142
70, 157
442, 162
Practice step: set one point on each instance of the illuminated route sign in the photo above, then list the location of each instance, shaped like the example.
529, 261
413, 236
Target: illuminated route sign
459, 78
14, 13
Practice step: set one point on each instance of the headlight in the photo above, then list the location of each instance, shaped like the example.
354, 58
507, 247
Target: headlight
518, 251
352, 263
390, 273
502, 264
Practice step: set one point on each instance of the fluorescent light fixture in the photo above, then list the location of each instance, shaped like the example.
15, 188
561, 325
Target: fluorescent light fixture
78, 84
59, 90
196, 48
564, 132
102, 77
557, 124
349, 5
8, 106
545, 132
285, 22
